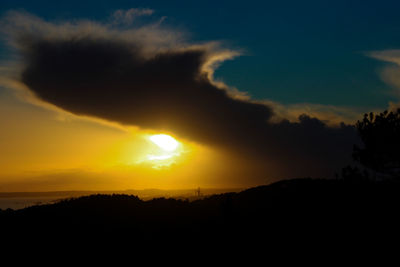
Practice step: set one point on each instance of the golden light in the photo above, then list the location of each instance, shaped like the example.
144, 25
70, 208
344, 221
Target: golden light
160, 157
164, 141
166, 150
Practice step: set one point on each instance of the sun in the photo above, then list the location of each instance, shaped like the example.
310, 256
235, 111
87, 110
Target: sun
165, 142
165, 151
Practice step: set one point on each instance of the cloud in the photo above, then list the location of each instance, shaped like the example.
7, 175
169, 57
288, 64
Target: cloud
153, 78
329, 114
128, 16
390, 74
392, 55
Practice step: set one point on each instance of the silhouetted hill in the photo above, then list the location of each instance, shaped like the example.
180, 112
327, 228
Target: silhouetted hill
20, 200
320, 210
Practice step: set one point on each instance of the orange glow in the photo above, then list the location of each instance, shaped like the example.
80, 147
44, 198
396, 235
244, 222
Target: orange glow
45, 150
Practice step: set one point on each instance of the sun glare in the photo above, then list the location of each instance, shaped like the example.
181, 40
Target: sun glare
165, 152
165, 142
160, 157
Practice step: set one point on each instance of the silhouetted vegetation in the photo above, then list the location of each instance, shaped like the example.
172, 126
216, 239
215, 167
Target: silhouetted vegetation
299, 209
355, 174
380, 135
379, 153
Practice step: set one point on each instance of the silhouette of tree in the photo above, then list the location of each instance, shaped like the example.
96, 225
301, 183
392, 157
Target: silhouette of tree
354, 174
380, 135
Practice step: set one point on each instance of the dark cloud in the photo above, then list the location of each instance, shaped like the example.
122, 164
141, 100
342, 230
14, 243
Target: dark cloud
114, 81
172, 89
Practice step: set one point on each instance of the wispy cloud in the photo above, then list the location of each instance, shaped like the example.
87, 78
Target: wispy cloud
390, 74
127, 17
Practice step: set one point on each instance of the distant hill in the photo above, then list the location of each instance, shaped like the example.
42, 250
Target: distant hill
19, 200
299, 208
144, 194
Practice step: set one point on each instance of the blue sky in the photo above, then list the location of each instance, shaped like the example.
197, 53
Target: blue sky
294, 51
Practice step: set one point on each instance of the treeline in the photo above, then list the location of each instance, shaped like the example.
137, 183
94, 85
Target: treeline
299, 207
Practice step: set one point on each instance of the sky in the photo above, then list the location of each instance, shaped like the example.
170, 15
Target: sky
84, 84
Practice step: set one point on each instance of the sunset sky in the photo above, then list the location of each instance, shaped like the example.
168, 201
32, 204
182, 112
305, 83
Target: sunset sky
113, 95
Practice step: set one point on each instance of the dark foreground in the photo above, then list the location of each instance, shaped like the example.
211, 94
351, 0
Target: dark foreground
285, 213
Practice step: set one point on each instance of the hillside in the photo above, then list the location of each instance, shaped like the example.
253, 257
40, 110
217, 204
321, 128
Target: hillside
301, 208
